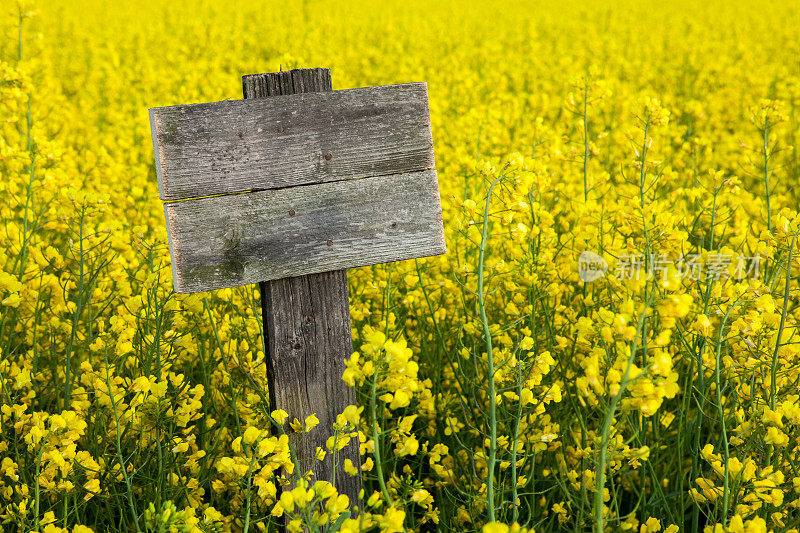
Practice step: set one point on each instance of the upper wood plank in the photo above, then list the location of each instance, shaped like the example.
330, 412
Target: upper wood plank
282, 141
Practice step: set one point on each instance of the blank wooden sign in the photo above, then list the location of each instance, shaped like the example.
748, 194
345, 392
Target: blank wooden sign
268, 188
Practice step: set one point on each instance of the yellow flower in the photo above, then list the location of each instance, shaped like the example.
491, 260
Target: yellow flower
251, 434
400, 399
92, 487
279, 415
776, 436
350, 468
12, 300
495, 527
278, 510
392, 520
337, 504
287, 501
9, 282
310, 422
320, 454
350, 415
652, 525
702, 324
407, 446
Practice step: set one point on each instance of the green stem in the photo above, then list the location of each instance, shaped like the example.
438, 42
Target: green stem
642, 172
786, 291
38, 489
721, 414
121, 459
375, 442
585, 143
489, 360
234, 396
249, 490
600, 477
766, 174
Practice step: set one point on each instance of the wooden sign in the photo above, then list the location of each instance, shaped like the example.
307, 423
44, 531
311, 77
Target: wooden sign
329, 181
289, 191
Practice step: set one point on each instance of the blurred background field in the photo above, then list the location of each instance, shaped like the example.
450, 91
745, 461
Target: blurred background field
661, 131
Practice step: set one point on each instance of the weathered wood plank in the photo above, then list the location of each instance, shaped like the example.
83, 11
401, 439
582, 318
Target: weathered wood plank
231, 240
283, 141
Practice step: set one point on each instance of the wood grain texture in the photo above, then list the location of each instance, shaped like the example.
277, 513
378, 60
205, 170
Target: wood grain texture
307, 330
283, 141
232, 240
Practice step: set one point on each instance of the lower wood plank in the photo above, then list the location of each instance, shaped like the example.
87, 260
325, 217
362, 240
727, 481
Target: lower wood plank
232, 240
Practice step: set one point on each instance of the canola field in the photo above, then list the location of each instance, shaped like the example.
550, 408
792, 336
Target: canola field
610, 343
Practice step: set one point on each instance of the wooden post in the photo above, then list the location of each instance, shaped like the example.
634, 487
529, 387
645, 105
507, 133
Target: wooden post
307, 329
